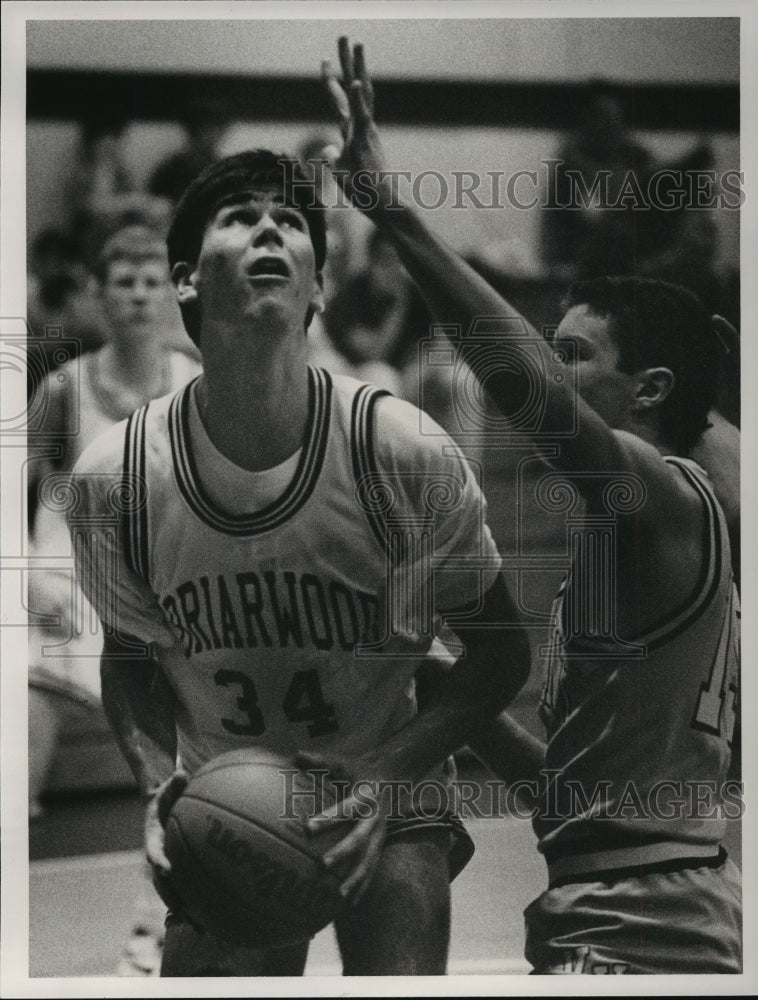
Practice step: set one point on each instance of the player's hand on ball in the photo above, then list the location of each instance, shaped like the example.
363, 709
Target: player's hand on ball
354, 858
158, 807
353, 101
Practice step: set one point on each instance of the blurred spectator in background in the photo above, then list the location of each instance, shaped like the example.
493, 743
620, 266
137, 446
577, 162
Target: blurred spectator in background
587, 239
365, 321
59, 295
374, 324
84, 397
605, 228
205, 121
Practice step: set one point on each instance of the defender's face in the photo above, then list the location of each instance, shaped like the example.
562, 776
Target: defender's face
595, 355
135, 296
257, 262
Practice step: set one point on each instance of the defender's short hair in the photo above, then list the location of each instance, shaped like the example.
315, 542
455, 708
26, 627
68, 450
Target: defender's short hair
136, 244
254, 169
655, 323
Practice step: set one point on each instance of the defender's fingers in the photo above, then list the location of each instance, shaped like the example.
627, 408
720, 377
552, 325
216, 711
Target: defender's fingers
337, 95
346, 60
359, 103
362, 74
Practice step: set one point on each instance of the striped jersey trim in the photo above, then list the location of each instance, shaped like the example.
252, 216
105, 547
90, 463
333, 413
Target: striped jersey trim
135, 524
297, 492
363, 454
710, 571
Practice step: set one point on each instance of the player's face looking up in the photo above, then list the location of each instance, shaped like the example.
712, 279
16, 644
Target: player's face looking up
256, 263
592, 349
135, 295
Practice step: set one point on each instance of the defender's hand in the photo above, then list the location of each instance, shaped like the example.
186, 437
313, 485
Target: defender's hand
361, 154
354, 858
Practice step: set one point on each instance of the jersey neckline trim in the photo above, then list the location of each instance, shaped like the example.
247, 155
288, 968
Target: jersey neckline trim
301, 485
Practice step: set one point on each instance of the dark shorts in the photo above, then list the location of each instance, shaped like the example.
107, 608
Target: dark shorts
684, 921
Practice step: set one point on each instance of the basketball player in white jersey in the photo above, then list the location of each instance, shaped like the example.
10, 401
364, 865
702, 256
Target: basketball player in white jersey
251, 552
642, 675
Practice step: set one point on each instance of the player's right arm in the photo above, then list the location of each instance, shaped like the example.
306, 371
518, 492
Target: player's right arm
458, 296
137, 698
139, 705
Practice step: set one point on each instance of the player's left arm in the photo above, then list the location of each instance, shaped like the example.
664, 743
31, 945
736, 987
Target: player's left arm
469, 696
481, 683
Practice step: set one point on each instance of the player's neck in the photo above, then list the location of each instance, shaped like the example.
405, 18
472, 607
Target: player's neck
256, 417
650, 432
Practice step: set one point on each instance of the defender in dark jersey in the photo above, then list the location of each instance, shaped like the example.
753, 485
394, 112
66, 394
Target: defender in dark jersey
630, 792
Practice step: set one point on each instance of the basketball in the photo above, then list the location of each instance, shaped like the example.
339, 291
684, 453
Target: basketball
242, 863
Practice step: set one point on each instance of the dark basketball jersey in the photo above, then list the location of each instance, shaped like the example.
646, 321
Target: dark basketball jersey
639, 734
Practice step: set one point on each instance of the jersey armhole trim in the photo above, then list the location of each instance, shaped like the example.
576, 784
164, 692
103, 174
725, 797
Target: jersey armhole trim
363, 453
135, 522
710, 573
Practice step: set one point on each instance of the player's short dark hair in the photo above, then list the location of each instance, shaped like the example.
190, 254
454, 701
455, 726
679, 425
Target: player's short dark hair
137, 244
655, 323
254, 170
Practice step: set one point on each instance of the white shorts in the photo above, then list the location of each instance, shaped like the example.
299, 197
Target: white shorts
688, 920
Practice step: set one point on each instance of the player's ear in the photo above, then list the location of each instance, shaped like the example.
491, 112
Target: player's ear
317, 296
183, 277
653, 386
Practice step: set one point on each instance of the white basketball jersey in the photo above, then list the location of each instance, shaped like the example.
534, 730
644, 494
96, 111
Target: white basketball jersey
261, 621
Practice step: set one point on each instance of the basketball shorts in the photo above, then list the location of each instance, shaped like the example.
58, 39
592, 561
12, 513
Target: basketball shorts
669, 920
461, 845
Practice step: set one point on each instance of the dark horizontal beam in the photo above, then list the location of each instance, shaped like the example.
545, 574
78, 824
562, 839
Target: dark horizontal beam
104, 98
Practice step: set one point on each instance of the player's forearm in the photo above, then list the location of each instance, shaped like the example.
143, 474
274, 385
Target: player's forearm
511, 751
453, 290
467, 699
140, 712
